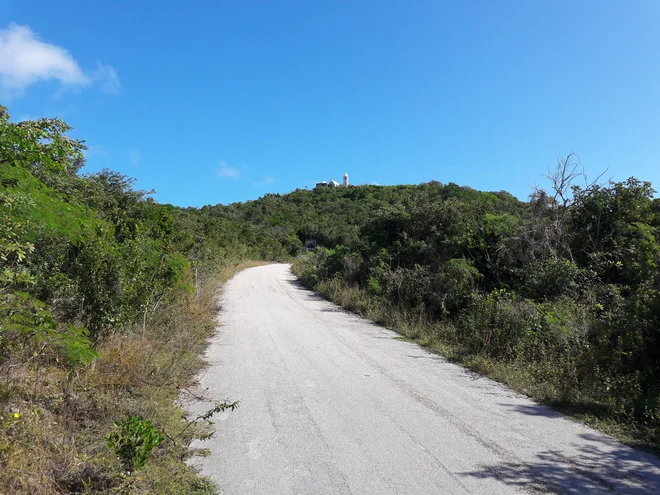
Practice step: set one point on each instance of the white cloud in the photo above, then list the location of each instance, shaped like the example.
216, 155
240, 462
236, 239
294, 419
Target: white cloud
95, 150
134, 157
227, 172
25, 116
266, 180
26, 60
107, 77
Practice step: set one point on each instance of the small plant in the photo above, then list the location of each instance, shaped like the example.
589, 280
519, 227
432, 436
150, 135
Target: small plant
218, 408
134, 441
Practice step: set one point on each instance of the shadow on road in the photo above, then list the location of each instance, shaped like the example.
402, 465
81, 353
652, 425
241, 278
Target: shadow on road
430, 356
533, 410
601, 466
313, 296
308, 293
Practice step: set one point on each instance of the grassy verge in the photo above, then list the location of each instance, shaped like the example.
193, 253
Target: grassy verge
53, 423
541, 379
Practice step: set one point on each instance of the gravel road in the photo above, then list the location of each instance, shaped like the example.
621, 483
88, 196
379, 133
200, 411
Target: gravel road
332, 403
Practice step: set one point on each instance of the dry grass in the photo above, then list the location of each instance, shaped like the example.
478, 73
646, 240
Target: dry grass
53, 423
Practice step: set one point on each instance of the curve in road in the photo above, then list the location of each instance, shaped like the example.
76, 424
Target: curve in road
332, 403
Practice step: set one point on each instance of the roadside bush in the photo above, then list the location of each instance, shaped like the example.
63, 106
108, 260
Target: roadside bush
454, 286
134, 441
407, 287
498, 324
550, 278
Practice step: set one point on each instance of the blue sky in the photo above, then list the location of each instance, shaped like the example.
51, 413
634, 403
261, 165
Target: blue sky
216, 102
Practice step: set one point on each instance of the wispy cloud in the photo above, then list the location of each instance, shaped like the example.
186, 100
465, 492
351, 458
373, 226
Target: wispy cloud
25, 116
95, 150
26, 60
266, 180
227, 172
107, 78
134, 157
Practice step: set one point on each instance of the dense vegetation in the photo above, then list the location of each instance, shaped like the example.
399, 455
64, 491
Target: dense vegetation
558, 296
107, 299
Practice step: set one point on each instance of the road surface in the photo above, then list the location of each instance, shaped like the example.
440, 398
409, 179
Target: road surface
332, 403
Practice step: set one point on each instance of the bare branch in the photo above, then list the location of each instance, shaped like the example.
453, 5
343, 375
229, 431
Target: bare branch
563, 176
597, 180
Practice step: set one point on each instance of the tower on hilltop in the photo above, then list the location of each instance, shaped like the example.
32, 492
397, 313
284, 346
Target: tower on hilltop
345, 180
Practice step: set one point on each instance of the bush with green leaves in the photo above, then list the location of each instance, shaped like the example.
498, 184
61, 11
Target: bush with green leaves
134, 441
550, 278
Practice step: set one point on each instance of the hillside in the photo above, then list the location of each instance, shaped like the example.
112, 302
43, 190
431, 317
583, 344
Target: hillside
559, 297
335, 216
107, 299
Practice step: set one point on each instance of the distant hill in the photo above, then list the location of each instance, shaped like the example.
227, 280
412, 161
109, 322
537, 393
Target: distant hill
334, 216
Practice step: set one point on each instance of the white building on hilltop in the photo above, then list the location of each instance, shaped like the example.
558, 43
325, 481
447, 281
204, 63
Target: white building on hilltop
333, 183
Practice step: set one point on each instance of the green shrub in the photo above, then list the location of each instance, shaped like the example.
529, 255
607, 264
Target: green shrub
134, 441
550, 278
498, 324
456, 282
